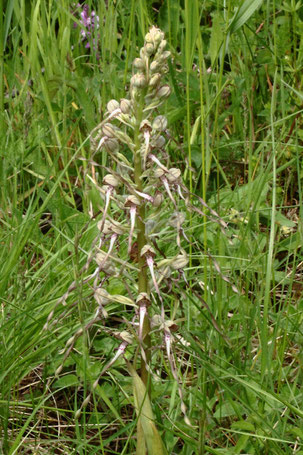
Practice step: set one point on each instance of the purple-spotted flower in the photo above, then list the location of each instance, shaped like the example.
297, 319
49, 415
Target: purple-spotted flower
89, 23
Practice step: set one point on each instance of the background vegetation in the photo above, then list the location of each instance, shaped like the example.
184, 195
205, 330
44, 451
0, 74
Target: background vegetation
235, 126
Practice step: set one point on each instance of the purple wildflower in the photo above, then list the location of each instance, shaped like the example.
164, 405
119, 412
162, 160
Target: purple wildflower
89, 23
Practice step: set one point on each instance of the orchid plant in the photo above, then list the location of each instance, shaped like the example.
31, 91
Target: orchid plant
89, 22
141, 197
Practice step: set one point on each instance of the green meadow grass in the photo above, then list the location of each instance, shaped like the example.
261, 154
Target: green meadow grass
235, 125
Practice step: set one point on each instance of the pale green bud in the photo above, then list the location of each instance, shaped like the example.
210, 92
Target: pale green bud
106, 228
108, 130
166, 55
155, 35
163, 92
58, 370
159, 173
125, 105
139, 64
109, 268
162, 46
138, 80
162, 59
149, 48
158, 199
160, 123
111, 180
111, 145
116, 228
158, 36
101, 295
159, 142
156, 320
154, 66
105, 188
112, 105
125, 118
173, 175
148, 38
180, 262
110, 227
155, 79
143, 54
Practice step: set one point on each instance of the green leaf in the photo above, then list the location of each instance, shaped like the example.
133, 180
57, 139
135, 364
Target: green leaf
7, 20
224, 410
68, 380
243, 425
243, 13
146, 425
191, 31
216, 38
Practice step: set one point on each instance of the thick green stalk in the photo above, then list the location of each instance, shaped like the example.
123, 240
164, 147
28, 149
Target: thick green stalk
141, 241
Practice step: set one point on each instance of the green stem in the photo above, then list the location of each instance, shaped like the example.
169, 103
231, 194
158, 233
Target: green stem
141, 241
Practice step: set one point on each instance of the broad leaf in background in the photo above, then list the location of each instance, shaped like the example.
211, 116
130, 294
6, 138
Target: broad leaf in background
146, 418
243, 13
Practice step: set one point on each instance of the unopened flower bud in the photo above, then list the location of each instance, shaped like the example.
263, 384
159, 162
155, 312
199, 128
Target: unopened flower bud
58, 370
159, 142
166, 55
138, 80
105, 227
159, 173
110, 228
142, 53
101, 296
125, 106
158, 36
162, 46
105, 188
155, 79
106, 266
164, 69
160, 123
173, 175
138, 63
154, 66
155, 320
148, 38
112, 105
108, 130
111, 180
180, 262
158, 199
149, 48
111, 145
116, 228
155, 35
163, 92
